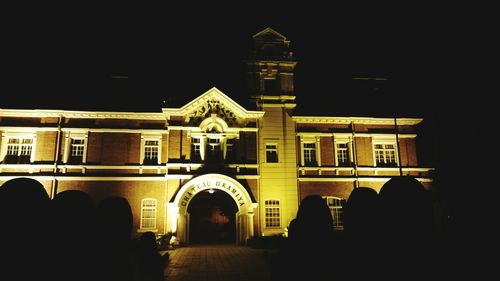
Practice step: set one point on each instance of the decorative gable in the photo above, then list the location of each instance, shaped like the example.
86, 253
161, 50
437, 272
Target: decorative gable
212, 107
211, 104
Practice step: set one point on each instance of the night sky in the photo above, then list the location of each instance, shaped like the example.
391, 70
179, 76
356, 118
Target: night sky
65, 58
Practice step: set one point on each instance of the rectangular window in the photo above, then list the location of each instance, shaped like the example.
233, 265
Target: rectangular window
77, 148
272, 213
271, 153
335, 206
151, 152
148, 214
385, 154
195, 149
19, 151
310, 154
343, 154
213, 149
230, 153
270, 86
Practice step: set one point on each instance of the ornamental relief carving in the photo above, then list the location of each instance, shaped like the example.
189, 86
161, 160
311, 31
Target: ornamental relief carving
213, 107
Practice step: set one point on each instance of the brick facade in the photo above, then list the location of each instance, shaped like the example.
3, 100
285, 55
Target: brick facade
114, 142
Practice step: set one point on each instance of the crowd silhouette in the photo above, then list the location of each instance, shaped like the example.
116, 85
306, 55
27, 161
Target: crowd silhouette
71, 237
385, 234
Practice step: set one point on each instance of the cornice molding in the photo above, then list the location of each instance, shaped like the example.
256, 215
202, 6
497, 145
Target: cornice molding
35, 113
355, 120
356, 134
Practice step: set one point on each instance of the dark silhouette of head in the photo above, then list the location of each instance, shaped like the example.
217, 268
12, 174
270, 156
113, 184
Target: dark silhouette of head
24, 206
73, 219
73, 210
314, 219
31, 192
361, 213
148, 241
115, 219
406, 210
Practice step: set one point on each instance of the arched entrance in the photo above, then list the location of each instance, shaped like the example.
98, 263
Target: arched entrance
212, 218
180, 208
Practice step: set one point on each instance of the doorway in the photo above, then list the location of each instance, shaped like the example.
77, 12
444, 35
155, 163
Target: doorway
212, 218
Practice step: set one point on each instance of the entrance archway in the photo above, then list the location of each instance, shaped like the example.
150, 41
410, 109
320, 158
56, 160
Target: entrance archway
212, 218
179, 208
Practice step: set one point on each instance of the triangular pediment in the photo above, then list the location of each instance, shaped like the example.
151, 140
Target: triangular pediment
213, 103
269, 34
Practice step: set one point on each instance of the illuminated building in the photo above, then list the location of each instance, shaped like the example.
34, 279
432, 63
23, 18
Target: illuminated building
258, 162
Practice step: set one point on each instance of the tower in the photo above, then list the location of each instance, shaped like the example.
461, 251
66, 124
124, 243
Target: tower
270, 80
271, 65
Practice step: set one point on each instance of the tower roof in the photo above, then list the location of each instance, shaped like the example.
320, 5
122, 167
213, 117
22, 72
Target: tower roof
269, 33
271, 45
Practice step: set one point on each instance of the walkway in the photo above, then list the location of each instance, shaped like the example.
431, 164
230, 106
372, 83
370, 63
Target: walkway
218, 263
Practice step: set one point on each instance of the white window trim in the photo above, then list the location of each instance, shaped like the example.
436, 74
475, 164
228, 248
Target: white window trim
304, 151
279, 212
67, 145
142, 215
226, 144
200, 144
18, 135
385, 141
340, 140
317, 142
144, 138
277, 152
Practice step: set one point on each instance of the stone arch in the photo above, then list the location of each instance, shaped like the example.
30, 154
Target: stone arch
213, 124
180, 216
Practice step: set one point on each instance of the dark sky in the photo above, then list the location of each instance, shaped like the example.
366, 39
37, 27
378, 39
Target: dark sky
65, 57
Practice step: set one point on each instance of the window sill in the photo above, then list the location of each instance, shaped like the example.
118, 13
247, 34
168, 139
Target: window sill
141, 230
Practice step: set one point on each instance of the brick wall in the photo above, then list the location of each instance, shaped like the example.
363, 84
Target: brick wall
364, 151
327, 153
133, 191
337, 189
115, 148
134, 150
174, 144
45, 146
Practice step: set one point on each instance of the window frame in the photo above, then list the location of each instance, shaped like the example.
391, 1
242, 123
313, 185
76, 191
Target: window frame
214, 147
155, 212
196, 145
68, 148
385, 154
312, 152
336, 211
71, 150
7, 136
270, 150
144, 140
272, 218
348, 153
230, 152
